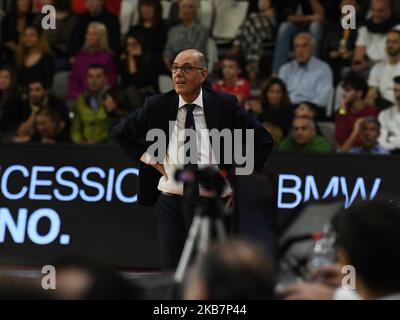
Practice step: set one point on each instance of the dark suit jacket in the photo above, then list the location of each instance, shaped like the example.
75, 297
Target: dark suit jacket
221, 111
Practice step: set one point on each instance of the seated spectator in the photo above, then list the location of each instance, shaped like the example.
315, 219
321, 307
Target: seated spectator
390, 123
352, 112
382, 74
363, 232
38, 99
233, 82
96, 12
90, 123
189, 34
300, 16
276, 107
151, 25
369, 134
173, 18
276, 133
256, 33
95, 51
50, 128
118, 105
231, 270
304, 138
34, 58
11, 114
307, 75
13, 25
139, 66
341, 42
371, 38
308, 110
60, 37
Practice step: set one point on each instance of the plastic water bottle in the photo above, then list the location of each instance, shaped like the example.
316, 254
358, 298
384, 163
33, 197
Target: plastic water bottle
323, 252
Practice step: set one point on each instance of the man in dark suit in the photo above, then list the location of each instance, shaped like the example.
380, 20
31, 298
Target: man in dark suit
189, 106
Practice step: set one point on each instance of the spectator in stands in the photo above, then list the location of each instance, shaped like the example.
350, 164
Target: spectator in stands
276, 108
232, 80
13, 25
231, 270
307, 78
352, 112
11, 114
256, 33
151, 25
60, 37
304, 138
173, 18
50, 128
90, 123
118, 105
188, 34
34, 58
382, 74
308, 110
362, 235
341, 42
369, 134
390, 123
38, 99
301, 15
371, 38
95, 51
139, 66
96, 13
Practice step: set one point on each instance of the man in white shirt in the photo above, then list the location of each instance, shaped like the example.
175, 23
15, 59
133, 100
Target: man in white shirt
382, 74
390, 123
190, 107
371, 38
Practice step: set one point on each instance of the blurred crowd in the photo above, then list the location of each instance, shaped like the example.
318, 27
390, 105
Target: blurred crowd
315, 86
365, 267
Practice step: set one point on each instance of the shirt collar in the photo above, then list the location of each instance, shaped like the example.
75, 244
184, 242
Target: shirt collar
305, 66
198, 102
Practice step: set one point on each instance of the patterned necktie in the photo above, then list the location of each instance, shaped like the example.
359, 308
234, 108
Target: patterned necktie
190, 150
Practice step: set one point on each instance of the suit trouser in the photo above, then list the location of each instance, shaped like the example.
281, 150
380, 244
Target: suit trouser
173, 229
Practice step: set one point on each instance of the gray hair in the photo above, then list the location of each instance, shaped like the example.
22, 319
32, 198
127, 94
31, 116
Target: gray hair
308, 37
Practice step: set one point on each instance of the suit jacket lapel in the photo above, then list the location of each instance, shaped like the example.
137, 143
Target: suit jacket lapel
211, 109
172, 111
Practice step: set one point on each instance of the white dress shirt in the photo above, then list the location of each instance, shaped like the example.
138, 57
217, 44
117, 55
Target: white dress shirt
390, 128
175, 154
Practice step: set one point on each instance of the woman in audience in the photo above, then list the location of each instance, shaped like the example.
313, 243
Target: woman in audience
256, 33
188, 34
95, 51
11, 114
34, 58
13, 24
49, 128
139, 66
276, 107
151, 26
60, 37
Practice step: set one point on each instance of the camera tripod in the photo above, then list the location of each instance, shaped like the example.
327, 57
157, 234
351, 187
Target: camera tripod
207, 219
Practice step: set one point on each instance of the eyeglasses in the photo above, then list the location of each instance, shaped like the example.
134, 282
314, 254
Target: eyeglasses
186, 68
